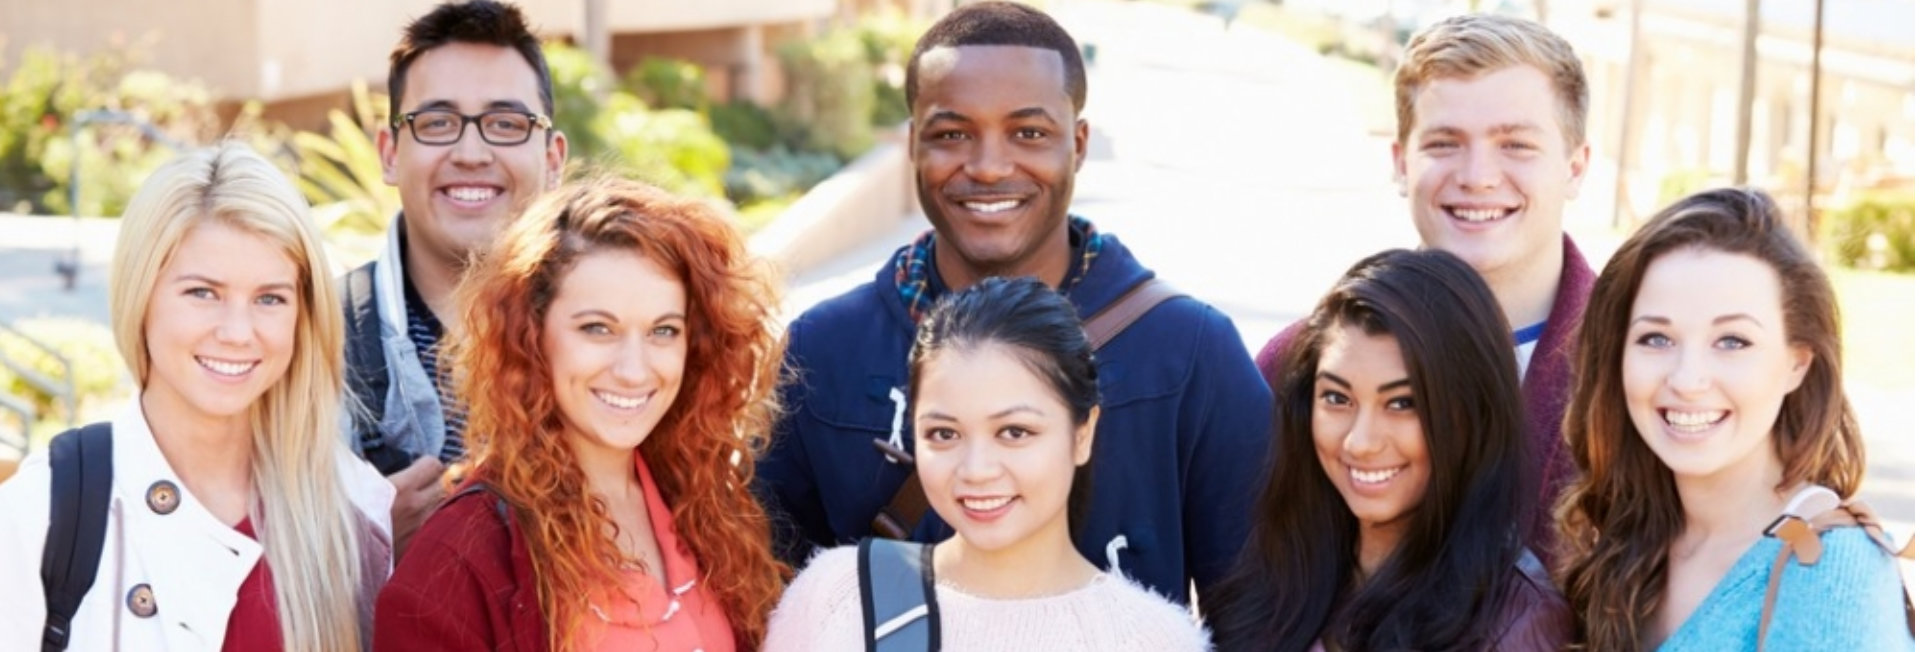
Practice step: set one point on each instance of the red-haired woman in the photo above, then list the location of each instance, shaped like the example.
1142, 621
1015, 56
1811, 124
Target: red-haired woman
619, 360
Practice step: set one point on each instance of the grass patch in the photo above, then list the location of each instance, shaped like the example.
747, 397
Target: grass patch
1876, 326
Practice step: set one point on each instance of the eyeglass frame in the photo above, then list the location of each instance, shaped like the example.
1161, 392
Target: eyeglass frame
539, 121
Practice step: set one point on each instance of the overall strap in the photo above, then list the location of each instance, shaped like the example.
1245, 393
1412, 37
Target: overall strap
1114, 319
897, 602
1811, 511
81, 492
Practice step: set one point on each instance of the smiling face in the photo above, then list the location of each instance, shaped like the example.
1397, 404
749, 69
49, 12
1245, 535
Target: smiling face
996, 448
615, 337
1367, 430
456, 197
1487, 170
1707, 361
996, 143
220, 323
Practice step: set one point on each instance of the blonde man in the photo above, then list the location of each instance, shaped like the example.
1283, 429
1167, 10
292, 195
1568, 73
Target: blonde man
235, 517
1492, 145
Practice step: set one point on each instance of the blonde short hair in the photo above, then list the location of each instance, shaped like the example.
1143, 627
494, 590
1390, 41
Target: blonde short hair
1475, 44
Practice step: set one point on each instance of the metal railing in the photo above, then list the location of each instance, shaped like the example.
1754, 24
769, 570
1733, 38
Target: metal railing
64, 389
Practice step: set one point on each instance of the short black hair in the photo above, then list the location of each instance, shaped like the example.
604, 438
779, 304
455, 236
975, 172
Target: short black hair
1002, 23
484, 22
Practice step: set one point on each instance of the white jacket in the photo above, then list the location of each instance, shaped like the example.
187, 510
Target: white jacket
192, 563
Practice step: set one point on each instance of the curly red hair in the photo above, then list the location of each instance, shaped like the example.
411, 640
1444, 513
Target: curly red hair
701, 454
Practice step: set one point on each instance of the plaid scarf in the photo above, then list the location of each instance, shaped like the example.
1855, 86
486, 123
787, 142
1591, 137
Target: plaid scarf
914, 275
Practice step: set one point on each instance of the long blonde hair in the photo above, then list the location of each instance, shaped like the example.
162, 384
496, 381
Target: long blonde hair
308, 529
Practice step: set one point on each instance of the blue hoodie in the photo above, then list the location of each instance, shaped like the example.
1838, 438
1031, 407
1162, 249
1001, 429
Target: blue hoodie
1180, 449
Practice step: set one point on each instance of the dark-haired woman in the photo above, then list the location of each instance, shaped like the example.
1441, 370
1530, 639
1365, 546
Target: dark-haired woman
1003, 395
1391, 515
1708, 405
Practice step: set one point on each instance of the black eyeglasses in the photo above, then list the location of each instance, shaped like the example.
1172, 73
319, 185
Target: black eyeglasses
503, 127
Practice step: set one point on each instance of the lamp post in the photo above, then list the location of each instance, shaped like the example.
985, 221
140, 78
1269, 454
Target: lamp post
69, 267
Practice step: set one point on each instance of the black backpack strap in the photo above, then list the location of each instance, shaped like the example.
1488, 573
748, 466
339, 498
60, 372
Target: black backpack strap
499, 503
82, 490
897, 602
367, 381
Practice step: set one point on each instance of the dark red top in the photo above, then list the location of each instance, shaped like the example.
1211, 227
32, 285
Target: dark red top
466, 583
255, 622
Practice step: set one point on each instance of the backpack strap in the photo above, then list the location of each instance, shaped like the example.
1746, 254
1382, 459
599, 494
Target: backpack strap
1114, 319
1816, 509
897, 601
909, 504
81, 492
476, 487
367, 381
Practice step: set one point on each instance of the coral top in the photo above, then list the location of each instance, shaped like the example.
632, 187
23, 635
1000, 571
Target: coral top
684, 616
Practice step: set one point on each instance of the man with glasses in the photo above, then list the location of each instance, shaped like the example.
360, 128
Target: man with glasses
471, 142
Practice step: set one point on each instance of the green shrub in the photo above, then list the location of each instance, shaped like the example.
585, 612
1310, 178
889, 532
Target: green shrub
579, 82
669, 84
761, 175
341, 173
88, 346
889, 104
830, 88
888, 38
37, 149
673, 148
1874, 231
613, 130
744, 124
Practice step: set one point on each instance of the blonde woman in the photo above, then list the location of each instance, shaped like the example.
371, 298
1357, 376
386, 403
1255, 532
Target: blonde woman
235, 517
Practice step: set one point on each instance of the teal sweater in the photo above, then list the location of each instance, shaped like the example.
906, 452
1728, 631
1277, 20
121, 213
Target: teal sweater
1849, 600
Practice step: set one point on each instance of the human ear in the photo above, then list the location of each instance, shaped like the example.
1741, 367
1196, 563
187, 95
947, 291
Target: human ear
1083, 438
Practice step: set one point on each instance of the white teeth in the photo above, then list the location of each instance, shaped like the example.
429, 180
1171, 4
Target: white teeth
1693, 421
985, 504
622, 402
991, 207
225, 368
1374, 477
471, 193
1479, 214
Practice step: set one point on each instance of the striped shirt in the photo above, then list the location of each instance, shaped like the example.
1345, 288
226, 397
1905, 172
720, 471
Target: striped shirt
426, 332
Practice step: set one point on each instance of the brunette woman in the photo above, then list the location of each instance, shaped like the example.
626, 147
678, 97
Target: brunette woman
1707, 405
1392, 514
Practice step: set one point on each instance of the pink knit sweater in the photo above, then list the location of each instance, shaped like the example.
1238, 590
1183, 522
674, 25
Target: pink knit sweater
821, 611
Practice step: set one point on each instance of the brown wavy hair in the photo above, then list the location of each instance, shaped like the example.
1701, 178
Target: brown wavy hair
1622, 510
702, 452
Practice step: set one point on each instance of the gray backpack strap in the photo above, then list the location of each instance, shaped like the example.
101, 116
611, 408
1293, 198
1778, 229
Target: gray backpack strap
897, 602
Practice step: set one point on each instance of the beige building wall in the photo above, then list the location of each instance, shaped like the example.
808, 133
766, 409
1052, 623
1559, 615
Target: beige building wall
213, 40
302, 55
1685, 119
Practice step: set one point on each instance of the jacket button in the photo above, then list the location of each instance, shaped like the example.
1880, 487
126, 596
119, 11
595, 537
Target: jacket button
140, 601
163, 497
